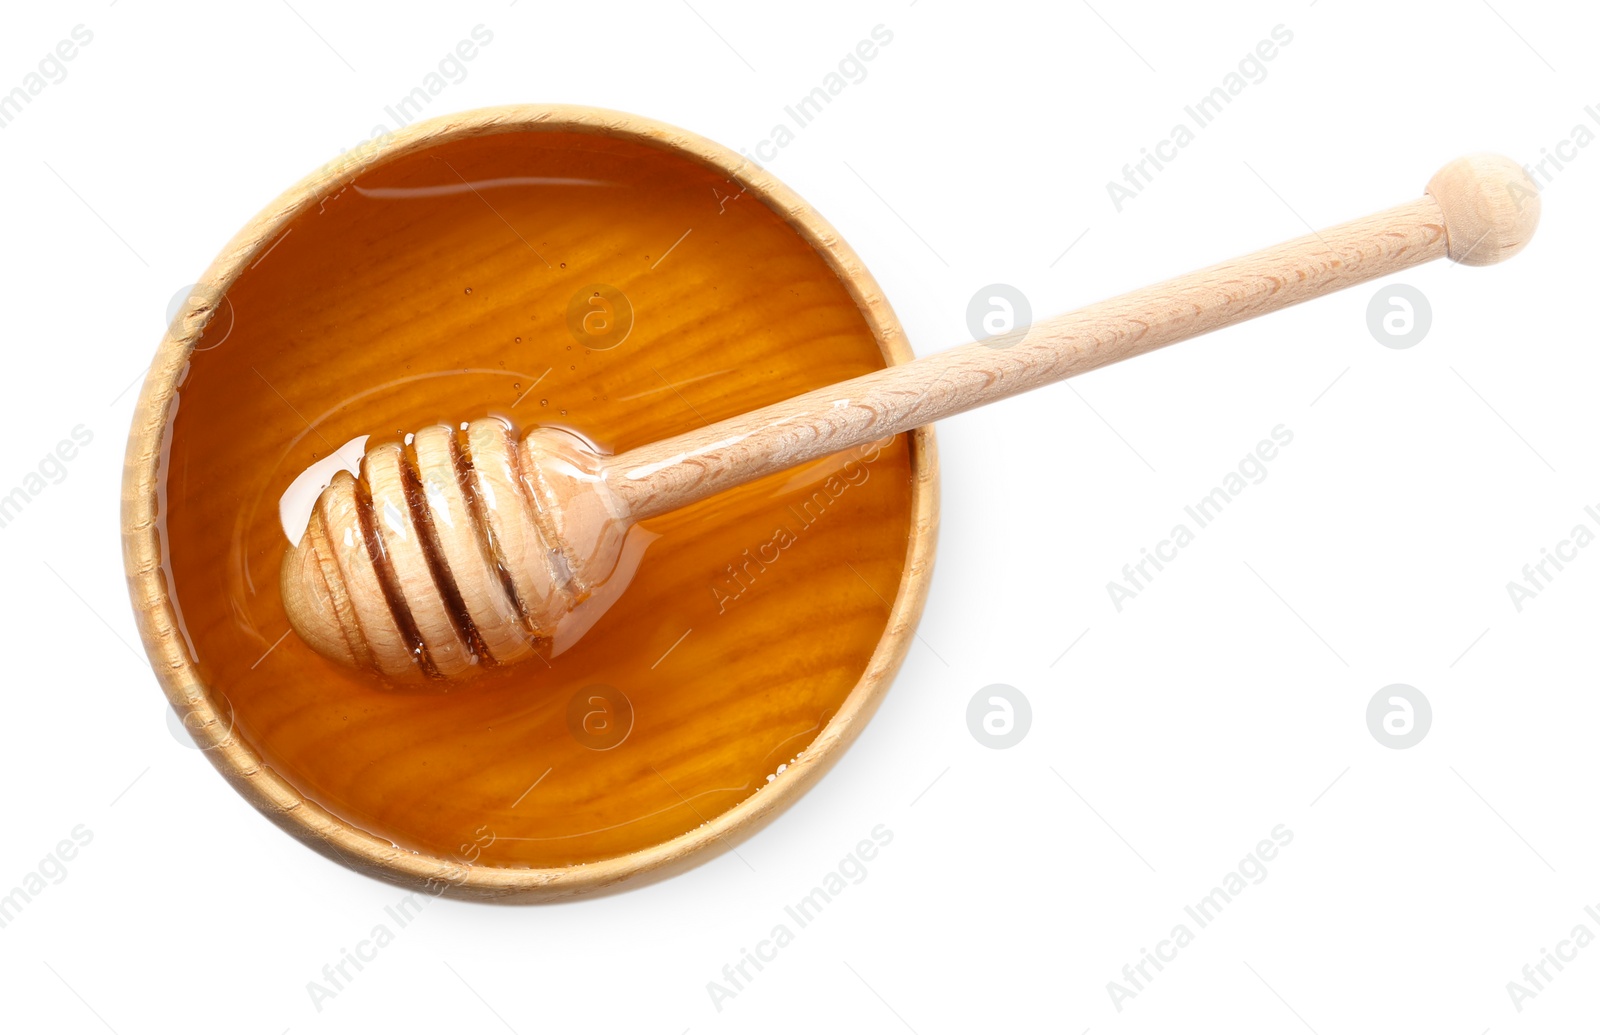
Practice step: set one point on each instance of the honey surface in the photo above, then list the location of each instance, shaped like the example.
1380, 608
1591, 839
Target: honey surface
457, 283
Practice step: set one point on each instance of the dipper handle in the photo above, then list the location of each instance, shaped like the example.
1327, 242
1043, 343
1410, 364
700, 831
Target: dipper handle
466, 548
1477, 211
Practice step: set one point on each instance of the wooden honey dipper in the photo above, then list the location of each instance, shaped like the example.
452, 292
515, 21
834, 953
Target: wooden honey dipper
463, 549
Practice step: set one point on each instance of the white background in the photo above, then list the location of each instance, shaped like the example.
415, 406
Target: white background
1226, 699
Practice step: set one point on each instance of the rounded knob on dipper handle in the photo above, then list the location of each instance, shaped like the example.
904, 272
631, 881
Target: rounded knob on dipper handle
1490, 206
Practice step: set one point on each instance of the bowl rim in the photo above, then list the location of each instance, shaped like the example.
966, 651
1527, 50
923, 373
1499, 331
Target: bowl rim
143, 498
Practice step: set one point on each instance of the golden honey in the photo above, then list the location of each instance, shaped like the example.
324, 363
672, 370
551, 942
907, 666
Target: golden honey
604, 286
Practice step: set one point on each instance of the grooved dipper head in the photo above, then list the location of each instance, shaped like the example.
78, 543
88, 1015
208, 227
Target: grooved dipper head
453, 552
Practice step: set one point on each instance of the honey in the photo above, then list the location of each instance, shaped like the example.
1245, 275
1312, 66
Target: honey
598, 284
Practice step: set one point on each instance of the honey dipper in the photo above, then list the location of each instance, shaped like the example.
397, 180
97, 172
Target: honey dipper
472, 547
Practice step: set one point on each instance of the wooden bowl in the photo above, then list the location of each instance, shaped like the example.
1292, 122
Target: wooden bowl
210, 469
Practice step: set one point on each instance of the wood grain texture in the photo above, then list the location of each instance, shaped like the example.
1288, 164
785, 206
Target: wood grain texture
1479, 209
1490, 205
578, 506
252, 720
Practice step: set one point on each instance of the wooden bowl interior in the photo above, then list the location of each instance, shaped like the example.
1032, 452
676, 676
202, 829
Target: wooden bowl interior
437, 286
